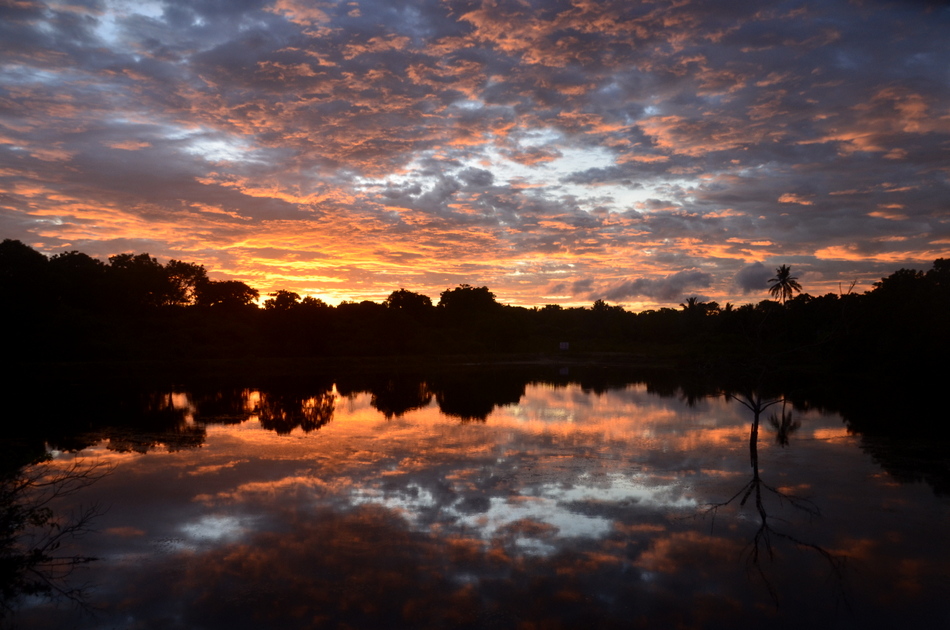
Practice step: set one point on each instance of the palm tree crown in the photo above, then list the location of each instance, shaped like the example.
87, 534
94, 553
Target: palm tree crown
784, 284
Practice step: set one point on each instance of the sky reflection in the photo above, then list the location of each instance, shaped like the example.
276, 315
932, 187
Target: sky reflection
565, 506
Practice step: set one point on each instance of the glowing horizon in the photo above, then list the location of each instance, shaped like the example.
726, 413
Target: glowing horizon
561, 152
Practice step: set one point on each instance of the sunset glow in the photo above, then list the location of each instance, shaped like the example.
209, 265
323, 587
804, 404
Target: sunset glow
555, 151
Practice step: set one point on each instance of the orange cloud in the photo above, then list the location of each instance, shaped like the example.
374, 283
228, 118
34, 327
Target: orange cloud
795, 198
299, 12
889, 213
129, 145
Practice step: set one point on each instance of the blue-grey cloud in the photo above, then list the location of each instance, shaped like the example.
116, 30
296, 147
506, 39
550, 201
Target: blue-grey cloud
667, 289
753, 279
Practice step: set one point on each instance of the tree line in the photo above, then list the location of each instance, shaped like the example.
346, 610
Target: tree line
73, 307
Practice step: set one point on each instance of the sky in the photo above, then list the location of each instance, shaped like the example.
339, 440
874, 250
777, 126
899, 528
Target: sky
639, 152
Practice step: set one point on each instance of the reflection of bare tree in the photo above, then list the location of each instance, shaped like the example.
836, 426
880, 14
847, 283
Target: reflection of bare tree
767, 534
31, 533
284, 413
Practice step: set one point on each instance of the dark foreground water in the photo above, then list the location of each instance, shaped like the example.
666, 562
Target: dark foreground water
564, 507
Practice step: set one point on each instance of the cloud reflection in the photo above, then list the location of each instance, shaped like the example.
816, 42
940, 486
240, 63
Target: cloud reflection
566, 507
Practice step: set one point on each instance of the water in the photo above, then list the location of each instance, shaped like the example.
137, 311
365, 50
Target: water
415, 505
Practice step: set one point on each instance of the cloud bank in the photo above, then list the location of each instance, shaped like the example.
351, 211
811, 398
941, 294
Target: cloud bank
345, 150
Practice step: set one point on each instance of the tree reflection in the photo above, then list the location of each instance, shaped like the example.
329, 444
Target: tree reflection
282, 413
785, 425
472, 396
223, 406
397, 396
164, 419
32, 534
767, 535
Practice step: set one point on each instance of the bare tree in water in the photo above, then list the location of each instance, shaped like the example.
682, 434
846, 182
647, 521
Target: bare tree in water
32, 533
767, 534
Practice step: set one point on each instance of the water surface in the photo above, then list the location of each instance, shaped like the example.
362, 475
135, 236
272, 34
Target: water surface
407, 507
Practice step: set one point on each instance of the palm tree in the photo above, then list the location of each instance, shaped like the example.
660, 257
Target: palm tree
785, 284
692, 304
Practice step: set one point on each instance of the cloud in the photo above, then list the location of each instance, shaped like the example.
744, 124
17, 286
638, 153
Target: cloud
430, 143
753, 279
667, 289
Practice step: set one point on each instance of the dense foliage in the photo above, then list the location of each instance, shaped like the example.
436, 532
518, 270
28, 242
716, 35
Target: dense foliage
72, 307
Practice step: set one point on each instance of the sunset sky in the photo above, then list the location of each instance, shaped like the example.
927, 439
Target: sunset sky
556, 151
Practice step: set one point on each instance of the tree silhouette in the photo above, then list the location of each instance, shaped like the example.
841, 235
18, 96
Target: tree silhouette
281, 301
23, 273
225, 294
784, 284
78, 281
691, 303
140, 281
695, 306
310, 304
468, 299
414, 303
185, 279
18, 260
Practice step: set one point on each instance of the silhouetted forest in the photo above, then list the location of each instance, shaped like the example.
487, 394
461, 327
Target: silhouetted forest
72, 307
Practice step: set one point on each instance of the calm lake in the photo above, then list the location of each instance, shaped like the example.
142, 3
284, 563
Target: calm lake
484, 503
